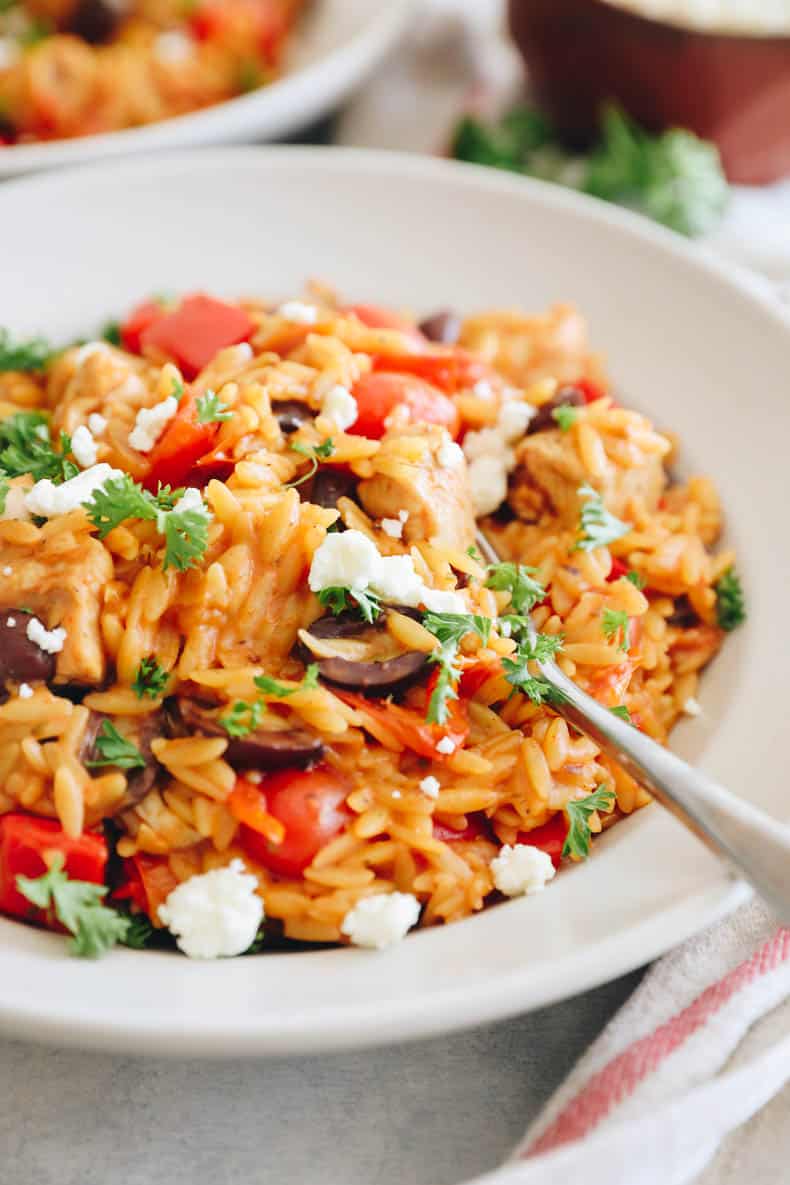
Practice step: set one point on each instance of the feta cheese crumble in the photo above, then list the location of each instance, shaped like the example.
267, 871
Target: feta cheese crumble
48, 500
10, 622
430, 786
8, 570
692, 707
521, 870
450, 455
191, 499
340, 407
379, 921
216, 914
25, 691
151, 423
491, 457
445, 746
173, 47
298, 312
392, 527
49, 640
83, 447
97, 423
348, 559
15, 504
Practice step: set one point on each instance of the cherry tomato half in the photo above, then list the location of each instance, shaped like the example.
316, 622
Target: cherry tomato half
379, 393
310, 804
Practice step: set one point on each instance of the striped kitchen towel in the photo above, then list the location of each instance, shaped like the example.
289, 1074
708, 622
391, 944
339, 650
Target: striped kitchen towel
678, 1068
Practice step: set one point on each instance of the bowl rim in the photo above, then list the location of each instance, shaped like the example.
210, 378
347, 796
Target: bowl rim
685, 26
458, 1008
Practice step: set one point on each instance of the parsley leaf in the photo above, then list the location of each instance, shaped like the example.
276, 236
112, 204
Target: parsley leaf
150, 679
565, 416
5, 486
315, 454
139, 931
186, 537
541, 648
673, 177
117, 500
339, 599
210, 410
78, 906
616, 624
25, 447
597, 527
525, 591
32, 354
271, 686
578, 811
730, 606
177, 389
637, 580
243, 718
111, 332
621, 711
114, 749
474, 554
450, 629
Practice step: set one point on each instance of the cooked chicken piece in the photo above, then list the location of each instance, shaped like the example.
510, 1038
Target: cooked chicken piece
423, 475
526, 349
550, 472
95, 378
62, 590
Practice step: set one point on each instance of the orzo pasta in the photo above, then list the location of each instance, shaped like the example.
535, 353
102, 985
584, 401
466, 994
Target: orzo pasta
258, 684
80, 67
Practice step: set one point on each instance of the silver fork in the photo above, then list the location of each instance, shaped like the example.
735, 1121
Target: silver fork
754, 845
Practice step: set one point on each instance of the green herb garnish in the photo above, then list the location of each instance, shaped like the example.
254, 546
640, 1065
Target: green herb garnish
637, 580
5, 486
114, 749
622, 713
340, 599
270, 686
243, 718
525, 591
578, 812
730, 604
185, 531
78, 906
673, 177
315, 454
111, 332
150, 679
210, 410
450, 629
26, 448
32, 354
616, 625
565, 416
597, 527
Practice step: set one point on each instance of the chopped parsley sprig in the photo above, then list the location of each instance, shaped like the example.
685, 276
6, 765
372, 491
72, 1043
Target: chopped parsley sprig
622, 713
519, 580
450, 629
243, 717
26, 448
597, 527
315, 455
578, 812
210, 409
565, 416
616, 627
531, 647
150, 679
730, 604
29, 355
270, 686
340, 599
114, 749
78, 905
185, 531
5, 486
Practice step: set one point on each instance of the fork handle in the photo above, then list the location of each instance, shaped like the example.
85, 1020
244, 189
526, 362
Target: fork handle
756, 846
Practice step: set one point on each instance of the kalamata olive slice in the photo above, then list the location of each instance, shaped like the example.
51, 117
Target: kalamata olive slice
264, 749
140, 730
544, 418
375, 677
96, 21
444, 327
20, 659
291, 414
685, 615
328, 486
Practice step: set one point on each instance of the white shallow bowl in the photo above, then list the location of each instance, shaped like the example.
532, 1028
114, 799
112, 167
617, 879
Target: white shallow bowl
685, 340
338, 44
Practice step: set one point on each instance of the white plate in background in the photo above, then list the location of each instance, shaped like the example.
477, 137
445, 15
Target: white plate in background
337, 45
700, 349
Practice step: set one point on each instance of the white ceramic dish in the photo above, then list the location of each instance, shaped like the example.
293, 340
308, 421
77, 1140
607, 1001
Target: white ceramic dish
338, 45
684, 339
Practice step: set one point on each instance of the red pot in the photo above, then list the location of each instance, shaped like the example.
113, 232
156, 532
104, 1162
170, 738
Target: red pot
731, 88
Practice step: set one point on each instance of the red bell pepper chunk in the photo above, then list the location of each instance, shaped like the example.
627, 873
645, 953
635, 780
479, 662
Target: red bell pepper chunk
617, 569
148, 882
378, 395
182, 444
411, 728
477, 827
140, 319
197, 330
550, 838
590, 391
450, 369
24, 840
